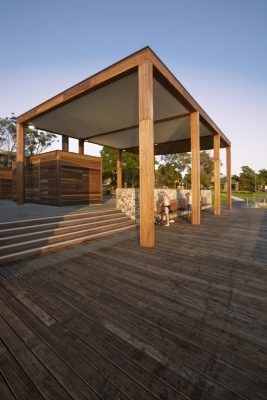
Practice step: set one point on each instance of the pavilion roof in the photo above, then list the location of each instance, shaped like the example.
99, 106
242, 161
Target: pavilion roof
103, 109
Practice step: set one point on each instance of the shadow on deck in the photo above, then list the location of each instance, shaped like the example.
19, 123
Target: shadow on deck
111, 320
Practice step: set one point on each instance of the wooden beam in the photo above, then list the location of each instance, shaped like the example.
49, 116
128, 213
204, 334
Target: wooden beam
178, 146
146, 154
119, 170
111, 73
228, 178
20, 161
195, 165
130, 128
103, 77
65, 143
81, 146
186, 98
217, 180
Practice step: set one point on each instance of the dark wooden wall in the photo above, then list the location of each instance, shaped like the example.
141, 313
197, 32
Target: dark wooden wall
6, 183
62, 178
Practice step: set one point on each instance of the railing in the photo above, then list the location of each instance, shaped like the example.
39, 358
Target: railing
260, 202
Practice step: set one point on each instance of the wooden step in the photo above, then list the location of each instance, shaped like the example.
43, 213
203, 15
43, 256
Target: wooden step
22, 238
15, 247
67, 243
20, 230
57, 218
17, 236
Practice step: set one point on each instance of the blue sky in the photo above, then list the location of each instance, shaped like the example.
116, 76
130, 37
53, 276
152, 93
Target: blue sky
217, 49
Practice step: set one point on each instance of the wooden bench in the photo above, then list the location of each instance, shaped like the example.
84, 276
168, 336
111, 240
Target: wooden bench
176, 205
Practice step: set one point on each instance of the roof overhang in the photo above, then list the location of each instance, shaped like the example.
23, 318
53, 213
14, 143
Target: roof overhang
103, 109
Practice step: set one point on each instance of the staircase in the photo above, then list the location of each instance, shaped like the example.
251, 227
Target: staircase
23, 238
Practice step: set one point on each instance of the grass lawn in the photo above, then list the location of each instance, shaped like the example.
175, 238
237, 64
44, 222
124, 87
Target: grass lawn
242, 195
250, 196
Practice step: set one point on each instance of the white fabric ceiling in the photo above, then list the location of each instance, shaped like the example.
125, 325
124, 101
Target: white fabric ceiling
163, 132
114, 107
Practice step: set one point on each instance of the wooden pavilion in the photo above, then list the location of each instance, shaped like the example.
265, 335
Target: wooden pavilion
136, 103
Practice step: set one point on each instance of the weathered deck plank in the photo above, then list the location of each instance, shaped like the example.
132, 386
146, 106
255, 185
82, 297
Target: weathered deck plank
111, 320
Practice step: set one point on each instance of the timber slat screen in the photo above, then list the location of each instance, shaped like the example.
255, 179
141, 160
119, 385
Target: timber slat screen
61, 178
186, 320
5, 183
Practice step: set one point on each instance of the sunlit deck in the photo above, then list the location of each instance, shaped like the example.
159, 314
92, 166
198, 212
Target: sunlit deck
111, 320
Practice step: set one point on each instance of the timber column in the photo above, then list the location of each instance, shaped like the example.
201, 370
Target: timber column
119, 170
81, 146
20, 161
146, 154
228, 178
217, 180
195, 166
65, 143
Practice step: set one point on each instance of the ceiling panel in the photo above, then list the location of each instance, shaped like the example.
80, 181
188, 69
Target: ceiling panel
114, 107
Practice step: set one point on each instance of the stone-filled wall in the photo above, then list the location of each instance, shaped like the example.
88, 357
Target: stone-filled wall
128, 199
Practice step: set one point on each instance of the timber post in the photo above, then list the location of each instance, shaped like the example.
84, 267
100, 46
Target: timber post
146, 154
228, 178
65, 143
20, 164
81, 146
119, 169
217, 180
195, 165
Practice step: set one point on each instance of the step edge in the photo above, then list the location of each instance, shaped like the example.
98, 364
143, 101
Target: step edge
13, 237
51, 223
58, 216
38, 250
12, 246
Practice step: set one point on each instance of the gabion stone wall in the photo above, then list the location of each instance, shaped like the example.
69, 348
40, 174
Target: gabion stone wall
127, 200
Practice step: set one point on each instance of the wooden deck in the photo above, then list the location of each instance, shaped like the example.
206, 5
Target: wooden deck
111, 320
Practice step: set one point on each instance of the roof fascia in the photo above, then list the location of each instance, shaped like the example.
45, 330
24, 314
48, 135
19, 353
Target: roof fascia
162, 69
103, 77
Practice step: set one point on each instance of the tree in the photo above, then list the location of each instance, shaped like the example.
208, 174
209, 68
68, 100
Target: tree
236, 178
130, 169
35, 141
206, 170
167, 175
8, 133
109, 168
248, 179
130, 166
171, 167
262, 174
180, 161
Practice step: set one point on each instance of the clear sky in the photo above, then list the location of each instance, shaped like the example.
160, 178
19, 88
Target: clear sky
216, 48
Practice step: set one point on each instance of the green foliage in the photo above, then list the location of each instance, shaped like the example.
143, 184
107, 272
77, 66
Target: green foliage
262, 174
236, 178
170, 169
167, 175
180, 162
206, 170
130, 167
174, 165
109, 170
248, 179
35, 141
8, 133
